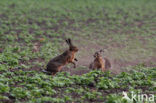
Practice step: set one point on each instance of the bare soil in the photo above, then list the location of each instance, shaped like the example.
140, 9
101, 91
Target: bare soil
88, 48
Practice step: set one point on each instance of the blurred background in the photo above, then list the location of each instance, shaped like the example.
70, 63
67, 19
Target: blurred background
34, 31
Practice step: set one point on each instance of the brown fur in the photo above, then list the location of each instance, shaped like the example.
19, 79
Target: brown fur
55, 65
100, 63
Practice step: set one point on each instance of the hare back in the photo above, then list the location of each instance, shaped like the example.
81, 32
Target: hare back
107, 63
91, 66
60, 59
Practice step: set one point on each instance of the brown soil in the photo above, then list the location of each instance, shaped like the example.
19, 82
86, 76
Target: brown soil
88, 48
75, 71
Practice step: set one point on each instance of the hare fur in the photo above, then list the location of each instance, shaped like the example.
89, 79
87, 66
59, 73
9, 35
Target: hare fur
55, 65
100, 62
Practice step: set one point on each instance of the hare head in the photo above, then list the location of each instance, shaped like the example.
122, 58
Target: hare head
98, 54
71, 46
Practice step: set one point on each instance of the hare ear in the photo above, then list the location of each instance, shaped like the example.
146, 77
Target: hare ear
101, 51
69, 41
95, 54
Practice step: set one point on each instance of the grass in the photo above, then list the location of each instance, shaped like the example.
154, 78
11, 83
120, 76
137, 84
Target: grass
33, 32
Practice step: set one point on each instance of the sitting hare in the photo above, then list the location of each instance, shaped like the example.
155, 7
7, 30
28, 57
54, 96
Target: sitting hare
100, 62
55, 64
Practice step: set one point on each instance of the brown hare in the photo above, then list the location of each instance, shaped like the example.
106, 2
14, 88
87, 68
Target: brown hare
100, 62
55, 64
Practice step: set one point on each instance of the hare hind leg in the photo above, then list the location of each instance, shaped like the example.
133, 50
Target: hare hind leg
53, 73
58, 70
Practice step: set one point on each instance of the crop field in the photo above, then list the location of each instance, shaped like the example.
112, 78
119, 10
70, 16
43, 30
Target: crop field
34, 31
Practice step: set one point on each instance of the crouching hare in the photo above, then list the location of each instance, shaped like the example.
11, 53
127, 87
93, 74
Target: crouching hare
100, 62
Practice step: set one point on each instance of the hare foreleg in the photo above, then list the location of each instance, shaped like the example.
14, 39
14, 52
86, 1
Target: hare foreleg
103, 69
75, 59
73, 64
